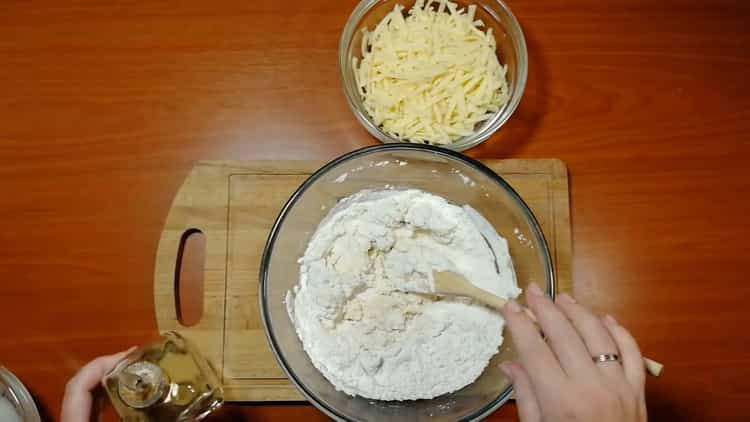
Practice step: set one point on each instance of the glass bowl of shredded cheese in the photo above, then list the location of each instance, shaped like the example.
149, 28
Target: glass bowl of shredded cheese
433, 72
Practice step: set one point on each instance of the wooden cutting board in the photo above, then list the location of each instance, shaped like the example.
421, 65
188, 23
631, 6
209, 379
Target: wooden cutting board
230, 332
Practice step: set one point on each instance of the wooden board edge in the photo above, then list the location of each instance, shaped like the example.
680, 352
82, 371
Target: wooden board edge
522, 165
209, 217
508, 165
262, 390
165, 262
564, 235
269, 167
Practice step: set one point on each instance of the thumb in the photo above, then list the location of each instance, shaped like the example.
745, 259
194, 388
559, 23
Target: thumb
526, 401
78, 400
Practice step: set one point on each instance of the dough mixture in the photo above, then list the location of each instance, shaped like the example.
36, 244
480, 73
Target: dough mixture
366, 336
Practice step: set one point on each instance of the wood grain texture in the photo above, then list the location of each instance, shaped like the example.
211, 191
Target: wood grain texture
235, 203
106, 105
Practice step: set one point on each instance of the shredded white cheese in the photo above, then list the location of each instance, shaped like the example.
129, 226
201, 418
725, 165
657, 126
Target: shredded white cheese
432, 75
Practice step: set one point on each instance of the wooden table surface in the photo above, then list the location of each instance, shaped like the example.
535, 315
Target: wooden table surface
105, 105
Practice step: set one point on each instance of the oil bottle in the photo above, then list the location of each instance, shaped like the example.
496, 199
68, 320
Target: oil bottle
167, 380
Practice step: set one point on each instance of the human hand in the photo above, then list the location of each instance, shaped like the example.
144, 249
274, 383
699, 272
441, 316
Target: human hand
79, 399
557, 380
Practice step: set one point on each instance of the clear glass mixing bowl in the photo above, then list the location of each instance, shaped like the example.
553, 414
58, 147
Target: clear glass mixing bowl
451, 175
511, 50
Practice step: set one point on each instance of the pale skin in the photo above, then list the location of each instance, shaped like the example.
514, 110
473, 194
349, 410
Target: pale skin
78, 402
556, 380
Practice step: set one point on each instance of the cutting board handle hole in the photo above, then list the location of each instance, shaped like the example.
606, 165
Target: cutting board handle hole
188, 278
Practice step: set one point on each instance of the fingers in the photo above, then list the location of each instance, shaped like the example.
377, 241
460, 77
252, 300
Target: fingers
563, 339
76, 406
630, 354
528, 406
595, 335
89, 376
540, 363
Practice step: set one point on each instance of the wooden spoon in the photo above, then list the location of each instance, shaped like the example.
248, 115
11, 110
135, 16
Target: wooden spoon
447, 283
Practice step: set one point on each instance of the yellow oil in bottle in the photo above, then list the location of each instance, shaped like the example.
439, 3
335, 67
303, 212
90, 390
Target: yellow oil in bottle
167, 380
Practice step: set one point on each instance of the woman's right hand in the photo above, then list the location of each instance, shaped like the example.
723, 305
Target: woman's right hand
557, 380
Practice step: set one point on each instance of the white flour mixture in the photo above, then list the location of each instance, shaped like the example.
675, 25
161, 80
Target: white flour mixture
371, 340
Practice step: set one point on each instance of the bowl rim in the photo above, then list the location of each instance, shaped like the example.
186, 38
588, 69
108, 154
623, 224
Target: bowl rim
20, 394
268, 248
498, 119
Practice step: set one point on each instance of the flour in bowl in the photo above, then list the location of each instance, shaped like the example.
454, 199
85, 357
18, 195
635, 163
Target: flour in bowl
372, 340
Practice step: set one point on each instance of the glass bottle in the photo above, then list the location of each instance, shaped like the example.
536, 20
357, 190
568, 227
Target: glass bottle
167, 380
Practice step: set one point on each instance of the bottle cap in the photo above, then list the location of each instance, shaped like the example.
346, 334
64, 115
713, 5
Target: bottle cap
141, 384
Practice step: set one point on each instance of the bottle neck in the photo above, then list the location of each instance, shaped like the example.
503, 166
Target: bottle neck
141, 384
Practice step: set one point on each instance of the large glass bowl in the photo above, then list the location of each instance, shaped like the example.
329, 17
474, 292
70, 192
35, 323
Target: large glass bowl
511, 51
451, 175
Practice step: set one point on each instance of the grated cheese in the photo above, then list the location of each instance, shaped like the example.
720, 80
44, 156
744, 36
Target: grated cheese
432, 75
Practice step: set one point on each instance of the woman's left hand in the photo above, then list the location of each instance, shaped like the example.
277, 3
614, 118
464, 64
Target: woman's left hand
79, 398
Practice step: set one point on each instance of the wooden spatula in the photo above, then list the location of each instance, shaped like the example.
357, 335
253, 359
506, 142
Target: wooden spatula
447, 283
